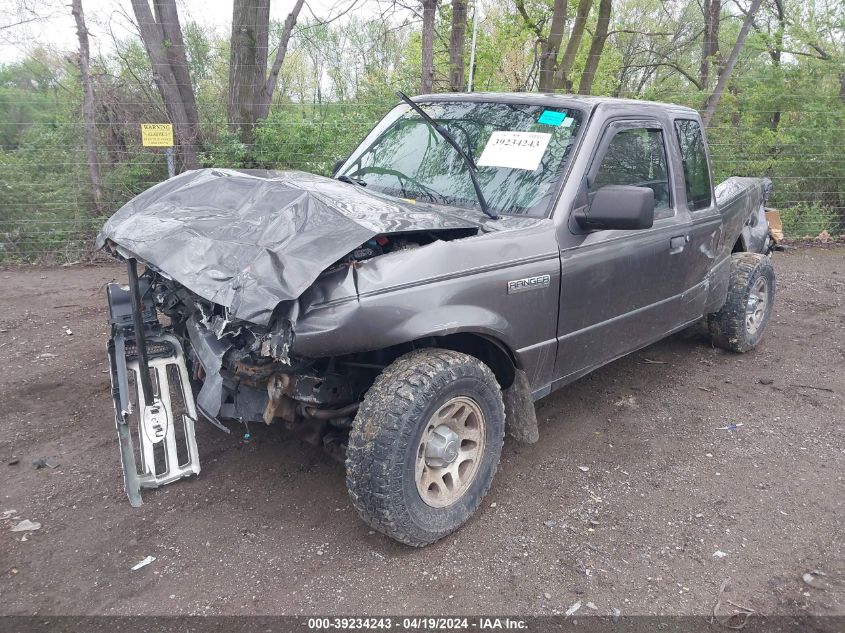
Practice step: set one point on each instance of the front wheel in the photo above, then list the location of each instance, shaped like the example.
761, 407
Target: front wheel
740, 323
425, 445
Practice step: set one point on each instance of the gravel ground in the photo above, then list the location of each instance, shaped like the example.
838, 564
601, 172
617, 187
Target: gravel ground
635, 497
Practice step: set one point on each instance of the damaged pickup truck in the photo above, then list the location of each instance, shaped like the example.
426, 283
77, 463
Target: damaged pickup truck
475, 253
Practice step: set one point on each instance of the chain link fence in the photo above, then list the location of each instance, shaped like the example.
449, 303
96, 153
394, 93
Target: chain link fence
47, 212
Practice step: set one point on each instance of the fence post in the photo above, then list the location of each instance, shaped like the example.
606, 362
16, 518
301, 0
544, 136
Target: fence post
171, 166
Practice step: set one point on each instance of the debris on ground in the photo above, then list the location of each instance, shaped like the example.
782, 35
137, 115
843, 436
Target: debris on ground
583, 567
571, 610
143, 563
591, 606
811, 578
13, 462
584, 469
614, 614
730, 427
736, 620
765, 381
547, 596
719, 554
775, 225
627, 402
26, 526
43, 462
828, 389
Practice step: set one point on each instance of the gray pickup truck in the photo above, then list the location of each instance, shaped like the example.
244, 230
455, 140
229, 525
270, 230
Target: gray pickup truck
473, 254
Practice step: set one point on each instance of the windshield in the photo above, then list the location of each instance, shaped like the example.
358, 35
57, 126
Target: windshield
521, 151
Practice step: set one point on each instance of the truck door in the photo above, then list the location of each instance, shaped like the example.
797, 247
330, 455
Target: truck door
621, 290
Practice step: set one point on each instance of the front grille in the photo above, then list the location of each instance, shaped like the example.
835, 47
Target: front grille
155, 349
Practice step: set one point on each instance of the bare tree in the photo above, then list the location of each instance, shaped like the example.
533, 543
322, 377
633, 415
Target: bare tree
247, 63
251, 88
162, 37
562, 77
457, 41
588, 75
89, 125
177, 57
725, 73
774, 39
427, 70
549, 44
266, 97
712, 10
554, 73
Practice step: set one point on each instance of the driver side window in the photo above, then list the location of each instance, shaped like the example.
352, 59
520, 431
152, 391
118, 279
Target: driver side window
637, 157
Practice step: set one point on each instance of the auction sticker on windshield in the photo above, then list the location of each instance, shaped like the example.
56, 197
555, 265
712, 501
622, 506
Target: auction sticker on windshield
516, 150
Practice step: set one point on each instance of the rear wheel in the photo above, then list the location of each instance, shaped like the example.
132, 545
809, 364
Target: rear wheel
425, 445
740, 323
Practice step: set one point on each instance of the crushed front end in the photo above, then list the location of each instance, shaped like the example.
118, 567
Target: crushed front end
231, 261
198, 360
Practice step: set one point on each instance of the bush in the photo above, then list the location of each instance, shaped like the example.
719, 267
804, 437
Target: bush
807, 220
311, 138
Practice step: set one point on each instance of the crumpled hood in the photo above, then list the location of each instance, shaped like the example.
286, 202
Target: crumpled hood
249, 239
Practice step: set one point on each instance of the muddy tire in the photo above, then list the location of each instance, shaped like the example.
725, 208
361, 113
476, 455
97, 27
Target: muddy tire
741, 322
425, 445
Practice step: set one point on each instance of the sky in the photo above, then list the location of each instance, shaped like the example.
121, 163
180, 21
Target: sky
55, 28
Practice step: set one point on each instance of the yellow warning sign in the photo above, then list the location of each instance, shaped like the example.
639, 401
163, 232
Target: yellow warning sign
156, 134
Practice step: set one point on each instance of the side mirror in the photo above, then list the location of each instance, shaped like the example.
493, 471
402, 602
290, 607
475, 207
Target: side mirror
337, 165
620, 207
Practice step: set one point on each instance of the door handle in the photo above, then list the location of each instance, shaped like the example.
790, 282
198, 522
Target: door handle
677, 243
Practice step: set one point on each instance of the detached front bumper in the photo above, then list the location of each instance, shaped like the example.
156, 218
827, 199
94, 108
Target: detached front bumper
151, 392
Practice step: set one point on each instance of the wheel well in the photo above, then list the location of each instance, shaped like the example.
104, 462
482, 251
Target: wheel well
489, 351
739, 247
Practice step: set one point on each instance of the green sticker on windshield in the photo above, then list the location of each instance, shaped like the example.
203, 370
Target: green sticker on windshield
550, 117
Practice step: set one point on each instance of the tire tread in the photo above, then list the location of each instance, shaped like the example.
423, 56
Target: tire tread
400, 394
727, 326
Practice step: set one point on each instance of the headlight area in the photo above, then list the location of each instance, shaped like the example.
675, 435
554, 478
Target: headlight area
243, 372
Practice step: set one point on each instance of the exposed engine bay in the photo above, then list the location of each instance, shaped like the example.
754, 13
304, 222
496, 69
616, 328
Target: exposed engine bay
384, 244
233, 260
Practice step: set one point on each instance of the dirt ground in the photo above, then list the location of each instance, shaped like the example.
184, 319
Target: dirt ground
267, 527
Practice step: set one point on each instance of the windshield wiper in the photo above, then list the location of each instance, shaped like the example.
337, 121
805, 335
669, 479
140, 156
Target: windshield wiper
471, 168
351, 181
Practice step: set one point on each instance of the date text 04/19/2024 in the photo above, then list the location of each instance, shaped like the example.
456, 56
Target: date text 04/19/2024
416, 623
